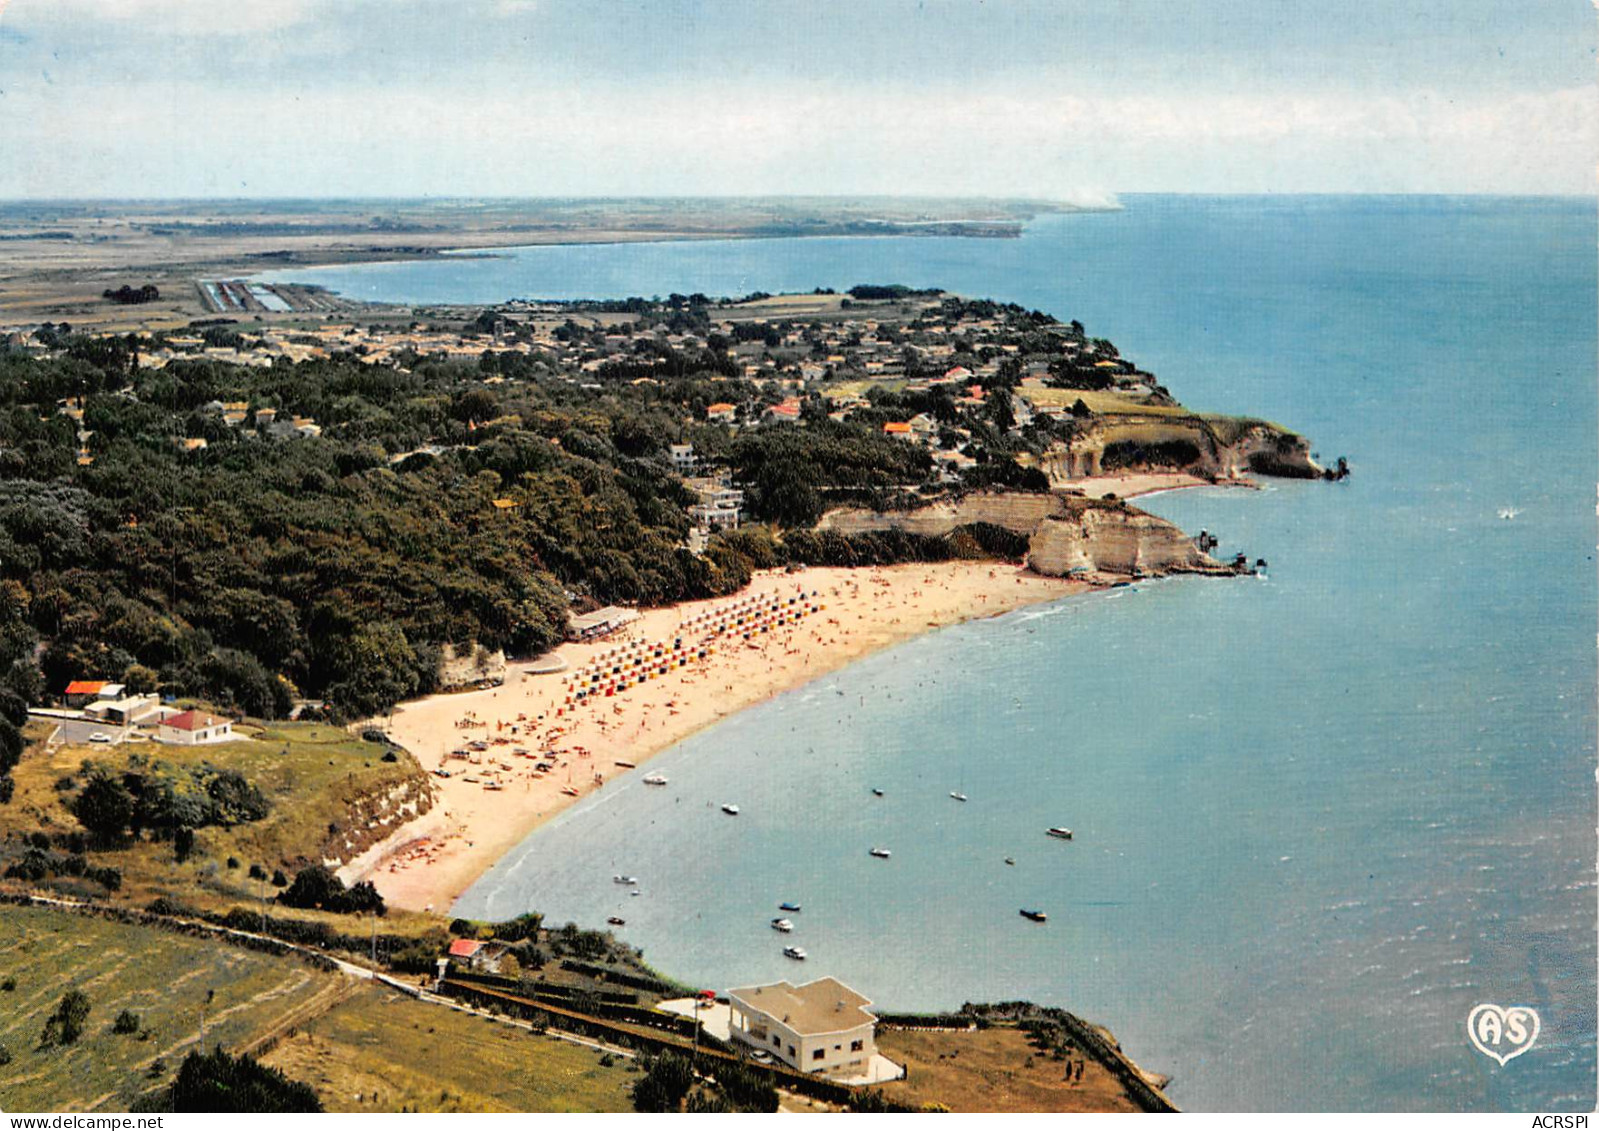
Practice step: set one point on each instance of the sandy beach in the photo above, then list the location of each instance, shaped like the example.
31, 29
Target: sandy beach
520, 753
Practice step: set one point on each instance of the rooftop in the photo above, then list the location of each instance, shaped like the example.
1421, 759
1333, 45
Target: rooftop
193, 720
823, 1006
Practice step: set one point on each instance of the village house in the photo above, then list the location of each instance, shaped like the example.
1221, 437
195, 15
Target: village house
788, 412
721, 413
721, 505
821, 1026
924, 427
475, 955
682, 458
899, 429
194, 728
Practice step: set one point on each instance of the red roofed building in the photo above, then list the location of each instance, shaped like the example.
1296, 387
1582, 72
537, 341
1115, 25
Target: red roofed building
81, 691
478, 955
723, 412
957, 373
192, 728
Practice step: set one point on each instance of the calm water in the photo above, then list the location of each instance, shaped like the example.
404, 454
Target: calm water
1318, 817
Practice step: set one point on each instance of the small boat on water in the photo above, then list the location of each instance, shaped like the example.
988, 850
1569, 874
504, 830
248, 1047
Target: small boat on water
881, 853
1060, 833
1010, 859
617, 921
654, 779
624, 879
784, 925
957, 795
1035, 916
876, 792
796, 952
788, 907
730, 810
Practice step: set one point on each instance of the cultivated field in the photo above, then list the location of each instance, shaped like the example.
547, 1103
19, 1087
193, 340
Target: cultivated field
171, 981
383, 1051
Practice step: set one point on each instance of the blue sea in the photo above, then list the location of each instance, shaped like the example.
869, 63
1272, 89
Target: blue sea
1318, 817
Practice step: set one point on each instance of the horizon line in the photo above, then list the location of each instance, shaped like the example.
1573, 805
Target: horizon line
838, 196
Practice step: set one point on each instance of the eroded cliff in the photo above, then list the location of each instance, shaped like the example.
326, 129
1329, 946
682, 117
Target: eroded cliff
1067, 534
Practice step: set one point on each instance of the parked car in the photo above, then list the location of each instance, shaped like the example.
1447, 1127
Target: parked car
100, 736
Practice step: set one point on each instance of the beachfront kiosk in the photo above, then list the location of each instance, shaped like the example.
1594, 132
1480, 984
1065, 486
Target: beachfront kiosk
822, 1026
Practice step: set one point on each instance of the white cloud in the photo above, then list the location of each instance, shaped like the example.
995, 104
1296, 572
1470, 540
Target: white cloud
176, 17
722, 137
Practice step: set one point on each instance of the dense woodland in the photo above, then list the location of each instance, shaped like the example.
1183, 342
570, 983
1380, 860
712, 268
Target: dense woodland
256, 571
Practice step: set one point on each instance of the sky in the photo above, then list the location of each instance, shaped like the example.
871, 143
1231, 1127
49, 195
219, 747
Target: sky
1052, 99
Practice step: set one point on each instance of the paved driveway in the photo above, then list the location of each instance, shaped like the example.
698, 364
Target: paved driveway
75, 732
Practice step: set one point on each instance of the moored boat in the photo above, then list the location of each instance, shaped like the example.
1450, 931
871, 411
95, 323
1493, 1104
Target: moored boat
1035, 916
624, 879
617, 921
730, 810
1060, 833
876, 792
788, 906
957, 795
655, 779
796, 952
784, 925
881, 853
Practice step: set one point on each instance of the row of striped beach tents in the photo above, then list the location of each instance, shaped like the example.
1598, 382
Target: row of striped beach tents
631, 664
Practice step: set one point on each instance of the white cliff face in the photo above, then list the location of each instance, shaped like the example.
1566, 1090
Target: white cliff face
1123, 542
1223, 447
468, 669
1066, 534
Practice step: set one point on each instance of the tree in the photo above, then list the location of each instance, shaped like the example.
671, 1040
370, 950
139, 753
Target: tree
127, 1022
65, 1025
667, 1079
317, 887
104, 806
217, 1082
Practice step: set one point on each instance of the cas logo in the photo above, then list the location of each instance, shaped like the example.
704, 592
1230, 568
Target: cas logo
1502, 1033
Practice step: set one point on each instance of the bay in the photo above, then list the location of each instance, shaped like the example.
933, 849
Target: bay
1320, 816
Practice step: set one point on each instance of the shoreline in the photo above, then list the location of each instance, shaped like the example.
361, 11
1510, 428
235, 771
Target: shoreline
430, 862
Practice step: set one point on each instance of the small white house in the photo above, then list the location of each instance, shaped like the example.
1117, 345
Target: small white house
191, 728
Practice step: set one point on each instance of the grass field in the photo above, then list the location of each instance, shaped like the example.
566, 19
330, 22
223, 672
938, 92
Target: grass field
993, 1070
382, 1051
165, 978
1103, 402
